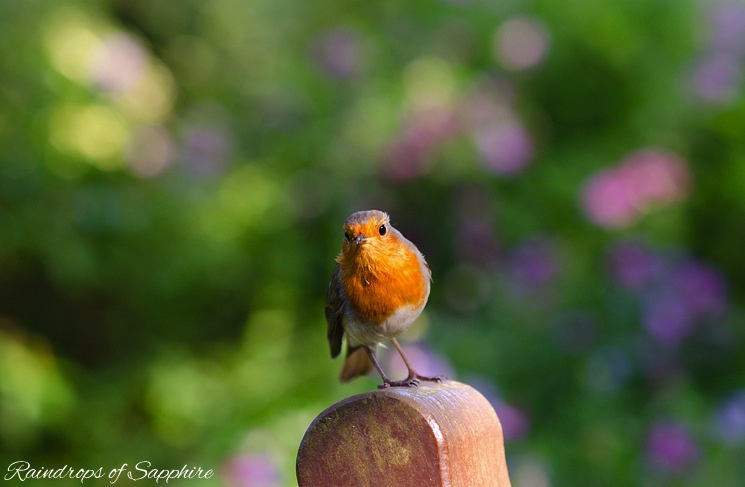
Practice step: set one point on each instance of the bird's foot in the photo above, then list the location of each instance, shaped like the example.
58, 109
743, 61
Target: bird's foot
436, 378
407, 382
412, 380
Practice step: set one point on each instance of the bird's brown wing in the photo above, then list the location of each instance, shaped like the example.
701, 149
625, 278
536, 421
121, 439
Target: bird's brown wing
334, 311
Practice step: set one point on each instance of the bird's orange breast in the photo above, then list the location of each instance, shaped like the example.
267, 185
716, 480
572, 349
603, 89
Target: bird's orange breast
378, 280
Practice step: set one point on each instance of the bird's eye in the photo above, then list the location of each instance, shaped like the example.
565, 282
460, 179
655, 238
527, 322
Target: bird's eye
382, 230
347, 236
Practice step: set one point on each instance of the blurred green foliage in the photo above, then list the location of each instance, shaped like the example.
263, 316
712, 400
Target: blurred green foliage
173, 178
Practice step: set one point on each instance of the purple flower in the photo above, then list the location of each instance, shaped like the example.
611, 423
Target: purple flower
666, 317
476, 239
206, 150
477, 243
700, 288
410, 155
730, 419
533, 264
251, 470
718, 74
716, 77
500, 137
676, 296
670, 447
634, 265
338, 52
728, 28
515, 422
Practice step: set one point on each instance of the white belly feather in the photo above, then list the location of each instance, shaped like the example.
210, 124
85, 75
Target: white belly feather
367, 334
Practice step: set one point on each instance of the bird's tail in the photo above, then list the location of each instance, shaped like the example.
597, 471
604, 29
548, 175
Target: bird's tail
356, 364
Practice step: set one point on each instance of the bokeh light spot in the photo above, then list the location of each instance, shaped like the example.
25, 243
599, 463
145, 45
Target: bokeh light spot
71, 44
530, 472
506, 147
615, 197
521, 43
151, 150
32, 388
251, 470
670, 446
95, 132
430, 82
118, 63
730, 419
150, 99
338, 53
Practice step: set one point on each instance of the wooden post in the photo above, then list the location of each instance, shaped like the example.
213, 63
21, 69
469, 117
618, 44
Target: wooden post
437, 434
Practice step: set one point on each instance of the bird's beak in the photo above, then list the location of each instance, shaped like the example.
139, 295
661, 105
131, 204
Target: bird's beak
359, 239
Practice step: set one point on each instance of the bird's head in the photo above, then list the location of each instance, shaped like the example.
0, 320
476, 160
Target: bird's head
366, 227
366, 232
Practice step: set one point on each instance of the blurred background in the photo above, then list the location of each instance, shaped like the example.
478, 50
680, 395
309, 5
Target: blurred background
174, 176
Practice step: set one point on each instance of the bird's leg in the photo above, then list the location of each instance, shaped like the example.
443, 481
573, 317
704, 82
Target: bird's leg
409, 382
412, 373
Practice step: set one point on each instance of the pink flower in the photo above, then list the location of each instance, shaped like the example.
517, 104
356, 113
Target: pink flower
521, 43
505, 147
616, 196
251, 470
119, 63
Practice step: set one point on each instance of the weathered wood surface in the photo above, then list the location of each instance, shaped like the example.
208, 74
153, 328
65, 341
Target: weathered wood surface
437, 434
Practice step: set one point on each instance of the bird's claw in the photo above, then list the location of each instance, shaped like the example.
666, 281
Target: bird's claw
408, 382
436, 378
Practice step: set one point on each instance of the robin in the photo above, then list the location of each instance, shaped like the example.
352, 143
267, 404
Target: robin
379, 287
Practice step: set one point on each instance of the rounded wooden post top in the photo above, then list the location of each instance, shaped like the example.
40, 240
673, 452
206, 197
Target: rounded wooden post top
437, 434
